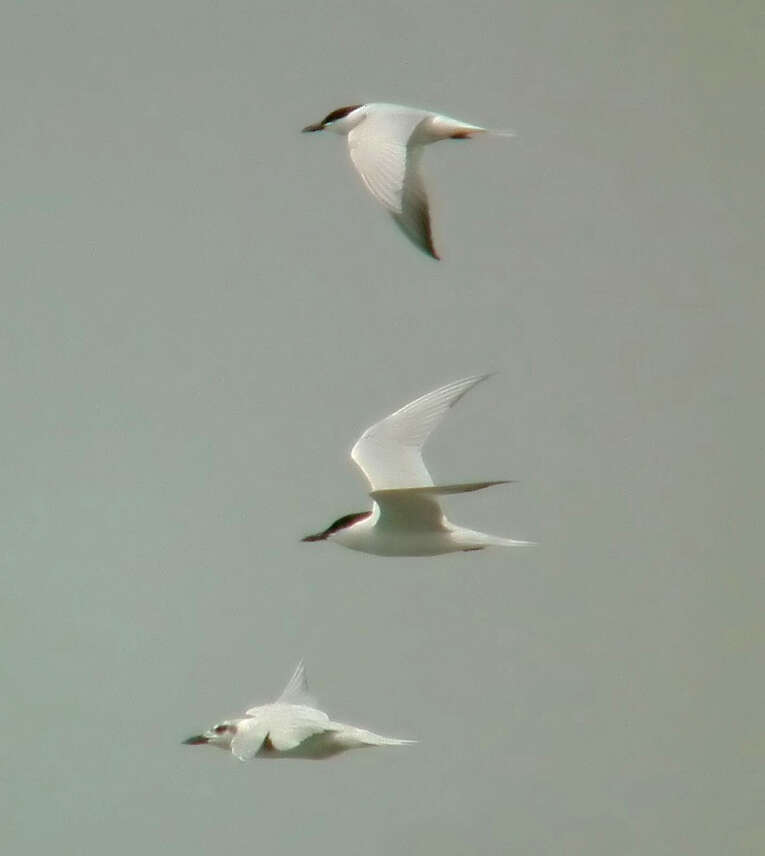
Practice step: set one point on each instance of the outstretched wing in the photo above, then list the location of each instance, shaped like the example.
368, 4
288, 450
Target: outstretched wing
389, 453
390, 168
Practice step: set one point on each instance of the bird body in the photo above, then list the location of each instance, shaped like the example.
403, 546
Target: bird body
385, 142
406, 517
400, 532
290, 727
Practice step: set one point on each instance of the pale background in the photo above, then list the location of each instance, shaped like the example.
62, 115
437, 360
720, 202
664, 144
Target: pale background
201, 310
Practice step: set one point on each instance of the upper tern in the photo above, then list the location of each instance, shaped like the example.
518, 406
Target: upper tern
290, 727
385, 142
406, 518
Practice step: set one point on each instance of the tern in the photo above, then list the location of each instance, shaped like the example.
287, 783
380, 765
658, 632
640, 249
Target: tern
385, 142
406, 518
290, 727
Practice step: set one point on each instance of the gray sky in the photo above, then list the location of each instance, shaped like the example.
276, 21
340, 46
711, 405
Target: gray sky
201, 311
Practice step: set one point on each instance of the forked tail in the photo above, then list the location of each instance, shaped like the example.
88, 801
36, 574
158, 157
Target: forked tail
350, 736
445, 127
469, 132
473, 540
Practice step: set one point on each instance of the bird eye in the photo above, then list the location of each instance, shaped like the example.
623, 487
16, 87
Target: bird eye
220, 729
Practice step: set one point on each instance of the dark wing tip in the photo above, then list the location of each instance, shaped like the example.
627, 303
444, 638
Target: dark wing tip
427, 230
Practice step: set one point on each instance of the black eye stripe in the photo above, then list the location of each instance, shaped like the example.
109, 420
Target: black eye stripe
340, 113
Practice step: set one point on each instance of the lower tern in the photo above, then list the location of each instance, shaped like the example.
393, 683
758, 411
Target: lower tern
290, 727
385, 142
406, 518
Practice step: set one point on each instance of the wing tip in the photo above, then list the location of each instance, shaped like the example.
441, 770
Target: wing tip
468, 382
419, 233
297, 685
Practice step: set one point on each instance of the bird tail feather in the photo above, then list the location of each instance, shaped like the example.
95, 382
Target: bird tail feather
350, 736
470, 131
478, 540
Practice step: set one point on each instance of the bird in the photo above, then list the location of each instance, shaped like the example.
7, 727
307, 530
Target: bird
385, 142
406, 518
290, 727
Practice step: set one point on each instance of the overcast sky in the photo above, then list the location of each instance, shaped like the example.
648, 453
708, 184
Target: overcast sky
201, 311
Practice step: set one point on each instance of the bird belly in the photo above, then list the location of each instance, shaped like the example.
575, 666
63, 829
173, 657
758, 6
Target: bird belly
387, 542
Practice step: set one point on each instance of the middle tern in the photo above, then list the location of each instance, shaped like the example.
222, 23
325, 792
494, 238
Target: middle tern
406, 518
386, 142
290, 727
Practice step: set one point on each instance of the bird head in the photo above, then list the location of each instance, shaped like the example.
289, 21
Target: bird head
340, 121
219, 735
339, 525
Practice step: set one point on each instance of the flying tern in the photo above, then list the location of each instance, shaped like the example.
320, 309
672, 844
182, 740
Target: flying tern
290, 727
406, 518
385, 142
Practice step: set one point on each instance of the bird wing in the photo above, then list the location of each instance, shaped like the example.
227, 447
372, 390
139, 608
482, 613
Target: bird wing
290, 724
435, 490
389, 166
389, 453
296, 691
417, 508
414, 217
284, 726
403, 510
250, 734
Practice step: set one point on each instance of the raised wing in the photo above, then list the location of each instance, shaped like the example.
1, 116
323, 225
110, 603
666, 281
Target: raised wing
296, 691
389, 453
389, 166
